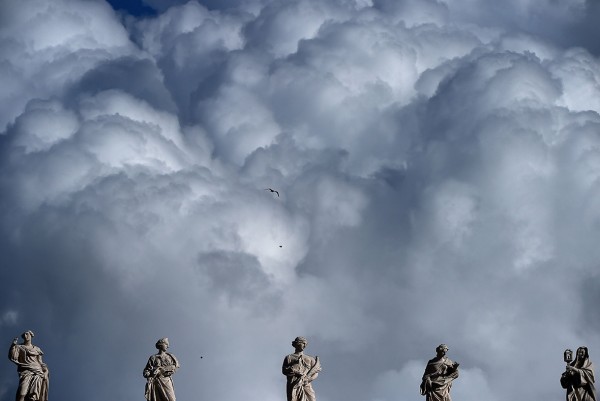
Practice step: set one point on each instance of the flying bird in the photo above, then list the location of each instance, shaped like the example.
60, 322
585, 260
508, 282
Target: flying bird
272, 190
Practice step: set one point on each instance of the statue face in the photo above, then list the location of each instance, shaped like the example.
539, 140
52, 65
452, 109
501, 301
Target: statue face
299, 346
581, 353
27, 336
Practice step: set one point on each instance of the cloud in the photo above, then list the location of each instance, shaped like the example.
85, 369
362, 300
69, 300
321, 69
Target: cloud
47, 47
437, 166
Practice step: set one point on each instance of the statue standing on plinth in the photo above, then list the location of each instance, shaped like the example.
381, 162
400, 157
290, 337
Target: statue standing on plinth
33, 372
578, 378
300, 370
158, 372
439, 374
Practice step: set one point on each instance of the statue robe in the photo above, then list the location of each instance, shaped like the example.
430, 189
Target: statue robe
159, 387
33, 373
437, 379
295, 368
580, 382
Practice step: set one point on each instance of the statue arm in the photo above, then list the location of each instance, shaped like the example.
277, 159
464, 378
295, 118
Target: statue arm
172, 367
432, 372
289, 369
440, 371
565, 380
168, 370
13, 353
41, 362
313, 373
286, 368
582, 376
452, 370
149, 369
312, 377
453, 375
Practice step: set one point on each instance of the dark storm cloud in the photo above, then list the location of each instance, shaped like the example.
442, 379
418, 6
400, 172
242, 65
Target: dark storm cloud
437, 164
240, 278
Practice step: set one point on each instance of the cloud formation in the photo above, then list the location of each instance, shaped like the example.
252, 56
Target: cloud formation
437, 163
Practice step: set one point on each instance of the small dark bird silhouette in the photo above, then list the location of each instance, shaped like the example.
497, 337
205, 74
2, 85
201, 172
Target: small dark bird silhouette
272, 190
280, 246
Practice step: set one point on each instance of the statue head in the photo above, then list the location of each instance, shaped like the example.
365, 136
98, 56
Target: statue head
27, 334
298, 341
162, 342
441, 349
582, 354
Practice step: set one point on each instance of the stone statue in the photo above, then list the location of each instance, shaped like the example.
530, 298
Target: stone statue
439, 374
33, 373
158, 371
300, 371
578, 378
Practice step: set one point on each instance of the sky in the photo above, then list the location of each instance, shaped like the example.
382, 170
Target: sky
438, 170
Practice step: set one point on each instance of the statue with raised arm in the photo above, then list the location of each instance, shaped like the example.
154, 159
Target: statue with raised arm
33, 373
439, 374
578, 378
300, 371
158, 372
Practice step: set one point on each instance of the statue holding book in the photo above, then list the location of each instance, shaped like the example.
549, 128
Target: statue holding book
158, 372
439, 374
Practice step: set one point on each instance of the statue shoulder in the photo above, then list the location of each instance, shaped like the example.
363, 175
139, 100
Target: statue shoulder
175, 361
433, 360
33, 350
